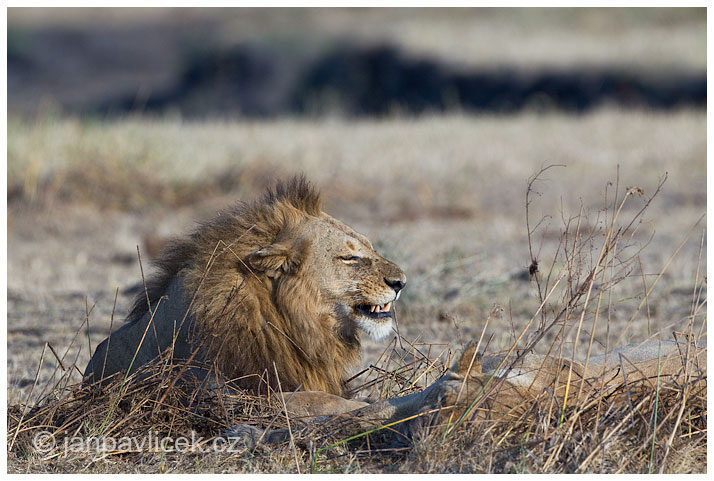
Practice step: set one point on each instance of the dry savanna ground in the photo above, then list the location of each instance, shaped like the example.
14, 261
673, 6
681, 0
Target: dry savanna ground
443, 197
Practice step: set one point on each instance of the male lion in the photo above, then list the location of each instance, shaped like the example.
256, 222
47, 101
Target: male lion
275, 286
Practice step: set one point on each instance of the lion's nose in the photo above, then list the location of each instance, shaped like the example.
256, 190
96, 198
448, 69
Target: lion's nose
396, 284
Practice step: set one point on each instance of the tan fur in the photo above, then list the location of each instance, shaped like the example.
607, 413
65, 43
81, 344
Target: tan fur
276, 286
537, 378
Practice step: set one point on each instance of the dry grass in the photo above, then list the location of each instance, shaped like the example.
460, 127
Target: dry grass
654, 426
650, 427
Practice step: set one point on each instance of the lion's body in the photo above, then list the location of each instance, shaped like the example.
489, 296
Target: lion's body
509, 386
114, 355
276, 286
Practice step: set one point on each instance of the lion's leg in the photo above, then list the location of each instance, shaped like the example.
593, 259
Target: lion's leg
310, 404
353, 416
305, 406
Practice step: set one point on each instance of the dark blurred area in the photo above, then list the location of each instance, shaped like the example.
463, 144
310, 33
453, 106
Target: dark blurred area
171, 62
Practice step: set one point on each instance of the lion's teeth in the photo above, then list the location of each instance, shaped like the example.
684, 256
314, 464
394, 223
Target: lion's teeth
381, 307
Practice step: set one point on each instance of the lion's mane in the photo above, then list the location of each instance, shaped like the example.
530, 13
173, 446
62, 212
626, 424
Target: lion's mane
254, 325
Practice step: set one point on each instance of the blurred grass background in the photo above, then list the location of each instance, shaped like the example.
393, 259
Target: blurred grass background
275, 61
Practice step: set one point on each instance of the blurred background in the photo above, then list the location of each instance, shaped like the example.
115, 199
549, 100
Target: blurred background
420, 126
208, 63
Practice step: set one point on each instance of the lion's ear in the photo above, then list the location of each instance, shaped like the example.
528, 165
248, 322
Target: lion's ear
279, 258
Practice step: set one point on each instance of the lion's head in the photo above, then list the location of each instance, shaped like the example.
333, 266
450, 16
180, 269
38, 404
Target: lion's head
323, 254
280, 286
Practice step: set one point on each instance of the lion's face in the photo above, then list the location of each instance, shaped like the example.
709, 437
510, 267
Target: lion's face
360, 284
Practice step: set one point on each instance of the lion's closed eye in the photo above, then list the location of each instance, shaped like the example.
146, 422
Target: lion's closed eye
349, 259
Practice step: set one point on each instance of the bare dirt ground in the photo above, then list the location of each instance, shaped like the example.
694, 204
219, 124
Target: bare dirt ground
444, 197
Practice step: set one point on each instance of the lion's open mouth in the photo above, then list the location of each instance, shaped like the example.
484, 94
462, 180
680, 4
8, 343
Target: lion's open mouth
374, 311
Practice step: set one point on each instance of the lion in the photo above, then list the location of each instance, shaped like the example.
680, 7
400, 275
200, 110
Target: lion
274, 293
